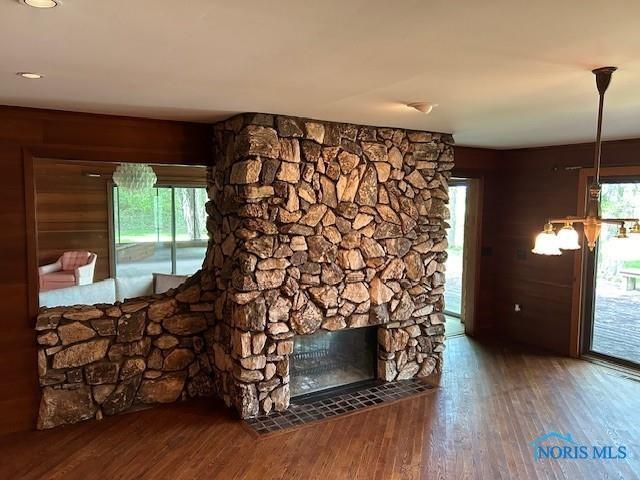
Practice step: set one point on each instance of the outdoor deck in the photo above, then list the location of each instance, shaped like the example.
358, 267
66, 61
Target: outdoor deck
617, 328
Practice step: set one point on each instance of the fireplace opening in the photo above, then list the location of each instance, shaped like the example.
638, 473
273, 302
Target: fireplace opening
326, 360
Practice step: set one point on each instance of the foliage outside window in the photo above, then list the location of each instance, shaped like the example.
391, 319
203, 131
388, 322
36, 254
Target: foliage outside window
159, 230
618, 200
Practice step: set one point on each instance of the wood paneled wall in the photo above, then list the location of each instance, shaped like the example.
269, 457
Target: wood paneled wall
536, 184
521, 189
26, 133
72, 211
483, 164
72, 207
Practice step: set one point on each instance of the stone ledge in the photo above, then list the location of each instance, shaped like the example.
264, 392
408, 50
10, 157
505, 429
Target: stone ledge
106, 359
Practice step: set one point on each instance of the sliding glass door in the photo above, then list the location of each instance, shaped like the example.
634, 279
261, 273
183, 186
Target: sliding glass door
612, 301
142, 221
159, 230
456, 235
191, 229
455, 251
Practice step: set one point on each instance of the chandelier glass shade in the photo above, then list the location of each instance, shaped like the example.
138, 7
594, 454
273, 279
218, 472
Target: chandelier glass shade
134, 176
568, 238
547, 242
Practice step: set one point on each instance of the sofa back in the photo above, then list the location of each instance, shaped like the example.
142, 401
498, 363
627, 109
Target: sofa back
111, 290
132, 287
99, 292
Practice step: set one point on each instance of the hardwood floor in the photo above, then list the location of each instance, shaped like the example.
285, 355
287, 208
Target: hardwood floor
453, 326
493, 401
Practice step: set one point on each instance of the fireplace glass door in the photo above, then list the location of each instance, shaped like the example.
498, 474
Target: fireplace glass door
331, 359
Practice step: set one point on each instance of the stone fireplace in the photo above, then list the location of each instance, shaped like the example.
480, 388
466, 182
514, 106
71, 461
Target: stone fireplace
322, 226
316, 228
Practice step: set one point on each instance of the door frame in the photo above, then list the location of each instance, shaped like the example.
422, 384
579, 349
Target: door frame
579, 346
472, 247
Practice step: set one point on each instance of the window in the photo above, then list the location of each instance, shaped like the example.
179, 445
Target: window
159, 230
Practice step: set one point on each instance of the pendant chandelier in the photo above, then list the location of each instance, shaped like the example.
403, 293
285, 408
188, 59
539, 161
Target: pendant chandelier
550, 243
134, 176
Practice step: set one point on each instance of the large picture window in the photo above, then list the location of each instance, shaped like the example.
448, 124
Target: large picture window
159, 230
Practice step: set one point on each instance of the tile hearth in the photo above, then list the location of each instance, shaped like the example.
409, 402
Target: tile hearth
303, 411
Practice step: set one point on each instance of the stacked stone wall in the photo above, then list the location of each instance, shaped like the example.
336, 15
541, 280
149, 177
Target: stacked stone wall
106, 359
325, 226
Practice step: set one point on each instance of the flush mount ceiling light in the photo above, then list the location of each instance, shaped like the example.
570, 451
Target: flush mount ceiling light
30, 75
134, 176
422, 107
41, 3
547, 242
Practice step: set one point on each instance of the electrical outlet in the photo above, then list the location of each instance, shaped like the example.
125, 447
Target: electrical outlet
517, 307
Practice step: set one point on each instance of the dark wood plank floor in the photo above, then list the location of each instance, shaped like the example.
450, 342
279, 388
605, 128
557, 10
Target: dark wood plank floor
492, 402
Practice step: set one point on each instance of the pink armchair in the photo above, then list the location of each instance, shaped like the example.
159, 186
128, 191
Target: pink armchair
72, 268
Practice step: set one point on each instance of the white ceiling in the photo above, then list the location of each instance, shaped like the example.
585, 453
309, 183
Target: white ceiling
505, 73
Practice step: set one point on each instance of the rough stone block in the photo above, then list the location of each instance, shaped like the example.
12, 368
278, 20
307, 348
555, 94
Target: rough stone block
81, 354
60, 406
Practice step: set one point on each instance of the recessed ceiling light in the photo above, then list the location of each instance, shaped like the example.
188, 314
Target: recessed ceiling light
30, 75
422, 107
41, 3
